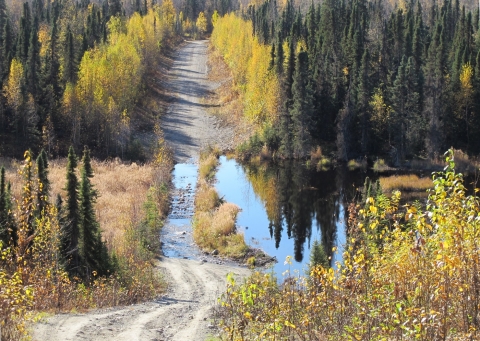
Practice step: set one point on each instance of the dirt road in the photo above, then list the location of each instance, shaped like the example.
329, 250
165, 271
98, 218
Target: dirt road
183, 314
187, 126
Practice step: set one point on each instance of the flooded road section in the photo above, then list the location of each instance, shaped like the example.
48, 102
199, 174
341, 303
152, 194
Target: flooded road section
176, 235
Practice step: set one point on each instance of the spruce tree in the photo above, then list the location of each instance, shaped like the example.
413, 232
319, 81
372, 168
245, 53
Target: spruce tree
302, 108
363, 97
399, 95
71, 228
3, 21
23, 39
69, 58
280, 57
7, 47
43, 184
92, 249
32, 68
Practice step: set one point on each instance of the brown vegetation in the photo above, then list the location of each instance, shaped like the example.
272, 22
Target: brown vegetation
407, 183
214, 221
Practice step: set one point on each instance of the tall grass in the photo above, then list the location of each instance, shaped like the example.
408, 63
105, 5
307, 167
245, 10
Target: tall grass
407, 183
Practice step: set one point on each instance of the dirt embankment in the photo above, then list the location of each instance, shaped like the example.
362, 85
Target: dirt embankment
184, 312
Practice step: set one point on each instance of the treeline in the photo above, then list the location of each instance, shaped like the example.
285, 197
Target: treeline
361, 81
72, 72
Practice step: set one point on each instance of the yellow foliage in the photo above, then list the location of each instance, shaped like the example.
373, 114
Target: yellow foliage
13, 87
466, 77
201, 23
167, 14
411, 275
249, 62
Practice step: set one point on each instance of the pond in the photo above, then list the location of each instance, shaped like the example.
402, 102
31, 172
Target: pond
287, 206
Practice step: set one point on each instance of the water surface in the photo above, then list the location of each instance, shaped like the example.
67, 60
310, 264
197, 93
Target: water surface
286, 206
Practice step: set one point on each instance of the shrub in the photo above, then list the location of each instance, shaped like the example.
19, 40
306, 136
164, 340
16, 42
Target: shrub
407, 274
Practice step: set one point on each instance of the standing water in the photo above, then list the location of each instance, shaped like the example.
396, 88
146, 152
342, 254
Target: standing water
286, 207
176, 236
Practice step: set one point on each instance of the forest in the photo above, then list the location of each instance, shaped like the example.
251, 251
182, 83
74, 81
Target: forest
75, 72
355, 78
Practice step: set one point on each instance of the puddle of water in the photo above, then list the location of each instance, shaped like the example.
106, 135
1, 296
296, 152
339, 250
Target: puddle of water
176, 236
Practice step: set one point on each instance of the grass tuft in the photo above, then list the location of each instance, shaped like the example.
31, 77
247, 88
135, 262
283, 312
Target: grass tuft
407, 183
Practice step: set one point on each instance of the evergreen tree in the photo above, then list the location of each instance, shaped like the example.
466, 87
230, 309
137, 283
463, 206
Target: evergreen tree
23, 40
71, 228
3, 22
33, 61
69, 58
433, 91
43, 184
363, 97
280, 57
92, 250
302, 108
6, 49
318, 255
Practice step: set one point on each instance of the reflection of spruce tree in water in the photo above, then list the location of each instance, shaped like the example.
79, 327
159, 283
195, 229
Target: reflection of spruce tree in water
302, 200
327, 208
285, 188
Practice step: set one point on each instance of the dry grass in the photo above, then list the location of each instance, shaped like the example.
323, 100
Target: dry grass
206, 169
408, 183
122, 189
216, 230
206, 198
214, 225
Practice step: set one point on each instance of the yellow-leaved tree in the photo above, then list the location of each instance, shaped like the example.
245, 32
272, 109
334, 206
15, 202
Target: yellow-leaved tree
249, 62
201, 24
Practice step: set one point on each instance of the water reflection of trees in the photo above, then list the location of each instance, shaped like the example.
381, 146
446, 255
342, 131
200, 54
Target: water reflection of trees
298, 200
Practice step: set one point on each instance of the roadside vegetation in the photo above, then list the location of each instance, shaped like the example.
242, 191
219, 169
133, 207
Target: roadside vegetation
408, 273
214, 221
78, 239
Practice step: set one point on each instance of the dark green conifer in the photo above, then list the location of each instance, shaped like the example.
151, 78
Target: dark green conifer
302, 108
43, 184
32, 69
71, 228
69, 58
92, 250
